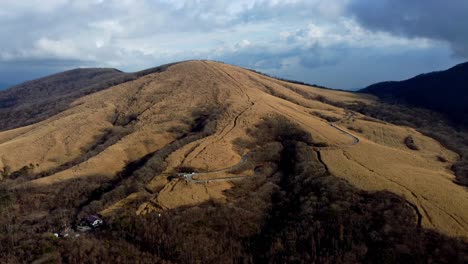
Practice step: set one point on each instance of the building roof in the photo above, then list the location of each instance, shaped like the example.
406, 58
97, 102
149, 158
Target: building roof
92, 218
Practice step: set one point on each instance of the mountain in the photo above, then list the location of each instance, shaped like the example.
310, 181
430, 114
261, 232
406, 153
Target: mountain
201, 161
34, 101
444, 91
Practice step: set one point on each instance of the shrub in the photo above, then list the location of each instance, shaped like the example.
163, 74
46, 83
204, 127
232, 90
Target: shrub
409, 142
331, 119
441, 159
359, 130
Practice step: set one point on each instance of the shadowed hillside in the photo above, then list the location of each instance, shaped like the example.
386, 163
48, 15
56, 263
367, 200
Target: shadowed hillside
444, 91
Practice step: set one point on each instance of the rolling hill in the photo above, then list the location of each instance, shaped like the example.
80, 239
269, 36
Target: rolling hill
202, 161
36, 100
444, 91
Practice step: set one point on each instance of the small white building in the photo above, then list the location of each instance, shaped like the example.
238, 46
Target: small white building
93, 220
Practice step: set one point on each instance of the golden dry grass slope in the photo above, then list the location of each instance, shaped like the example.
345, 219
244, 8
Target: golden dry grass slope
162, 101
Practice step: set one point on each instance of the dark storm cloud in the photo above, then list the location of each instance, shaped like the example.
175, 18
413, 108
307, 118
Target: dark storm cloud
433, 19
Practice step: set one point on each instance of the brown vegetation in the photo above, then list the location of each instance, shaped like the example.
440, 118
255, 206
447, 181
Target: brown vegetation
331, 119
359, 130
441, 159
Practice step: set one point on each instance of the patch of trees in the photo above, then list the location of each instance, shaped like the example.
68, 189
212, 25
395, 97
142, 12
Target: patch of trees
25, 171
331, 119
409, 142
355, 129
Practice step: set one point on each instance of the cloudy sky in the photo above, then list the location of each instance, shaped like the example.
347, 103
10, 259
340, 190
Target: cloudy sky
337, 43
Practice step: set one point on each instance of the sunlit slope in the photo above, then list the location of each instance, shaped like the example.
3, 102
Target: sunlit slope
144, 115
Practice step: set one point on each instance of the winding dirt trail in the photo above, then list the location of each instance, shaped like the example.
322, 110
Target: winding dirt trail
349, 115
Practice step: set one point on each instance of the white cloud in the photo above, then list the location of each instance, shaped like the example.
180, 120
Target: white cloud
134, 34
65, 49
104, 29
243, 44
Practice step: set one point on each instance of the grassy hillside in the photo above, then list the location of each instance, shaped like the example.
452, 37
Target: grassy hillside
445, 92
37, 100
203, 162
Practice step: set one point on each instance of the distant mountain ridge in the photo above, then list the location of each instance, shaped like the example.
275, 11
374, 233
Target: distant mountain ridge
443, 91
39, 99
